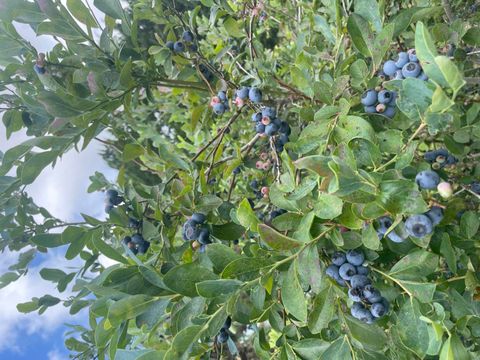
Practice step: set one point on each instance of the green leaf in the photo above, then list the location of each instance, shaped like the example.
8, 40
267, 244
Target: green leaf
228, 231
413, 332
453, 349
132, 151
415, 265
112, 8
353, 127
56, 106
184, 340
221, 255
315, 163
469, 224
54, 275
370, 238
369, 335
30, 170
446, 249
214, 288
321, 25
382, 44
276, 240
369, 9
245, 268
310, 348
327, 206
322, 311
360, 33
246, 216
190, 274
81, 13
414, 98
292, 294
451, 74
128, 308
309, 268
233, 27
426, 53
401, 197
48, 240
107, 250
338, 350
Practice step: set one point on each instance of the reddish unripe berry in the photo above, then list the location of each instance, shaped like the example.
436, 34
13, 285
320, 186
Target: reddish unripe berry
259, 164
239, 102
380, 108
265, 120
445, 189
215, 100
265, 190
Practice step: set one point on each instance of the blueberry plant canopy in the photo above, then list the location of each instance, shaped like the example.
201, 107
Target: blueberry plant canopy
358, 101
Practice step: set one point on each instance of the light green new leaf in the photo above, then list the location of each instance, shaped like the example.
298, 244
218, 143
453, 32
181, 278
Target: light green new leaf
451, 73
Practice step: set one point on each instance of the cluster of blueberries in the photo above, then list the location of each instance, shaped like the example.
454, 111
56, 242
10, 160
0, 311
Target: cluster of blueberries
379, 102
267, 123
136, 243
223, 335
196, 229
347, 270
180, 45
219, 103
405, 66
417, 226
440, 158
112, 199
253, 94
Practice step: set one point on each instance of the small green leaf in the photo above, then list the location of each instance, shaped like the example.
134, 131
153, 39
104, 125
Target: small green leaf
128, 308
190, 274
328, 206
292, 294
276, 240
246, 216
214, 288
323, 310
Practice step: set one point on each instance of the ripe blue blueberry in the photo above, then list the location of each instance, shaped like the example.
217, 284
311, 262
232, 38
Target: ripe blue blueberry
254, 184
227, 323
369, 97
384, 223
366, 316
187, 36
371, 294
389, 112
332, 271
255, 95
370, 109
133, 223
359, 281
355, 257
385, 96
284, 128
178, 47
257, 117
222, 95
389, 68
427, 179
402, 59
362, 270
189, 230
475, 187
169, 45
223, 336
260, 128
204, 236
431, 156
242, 93
346, 271
237, 170
282, 139
451, 160
411, 69
39, 69
271, 129
270, 112
110, 194
418, 226
198, 218
355, 294
422, 76
378, 310
339, 258
137, 239
398, 75
435, 214
193, 47
126, 240
393, 236
219, 108
412, 55
143, 247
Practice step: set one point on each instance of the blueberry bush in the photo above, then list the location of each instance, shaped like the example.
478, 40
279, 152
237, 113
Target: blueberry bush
296, 179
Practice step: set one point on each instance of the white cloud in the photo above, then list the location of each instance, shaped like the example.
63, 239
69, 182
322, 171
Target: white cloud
14, 325
55, 355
